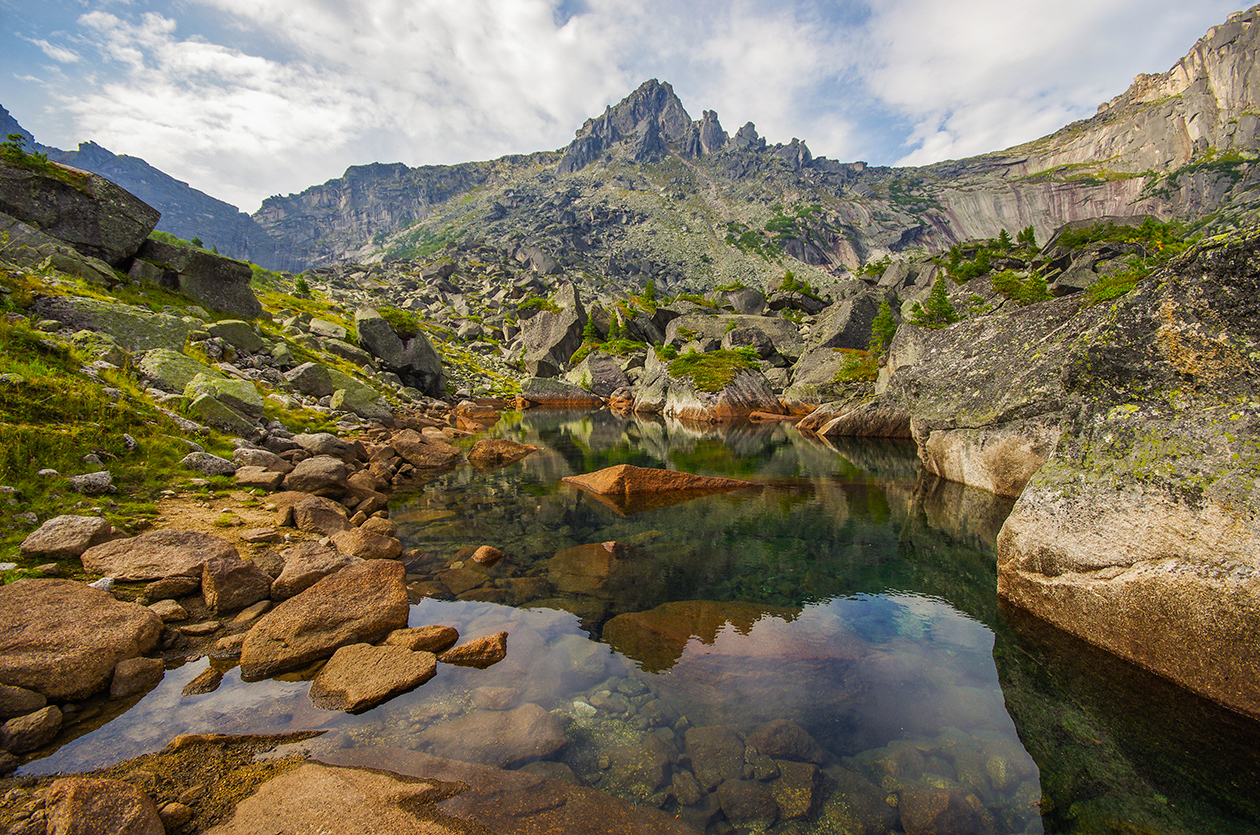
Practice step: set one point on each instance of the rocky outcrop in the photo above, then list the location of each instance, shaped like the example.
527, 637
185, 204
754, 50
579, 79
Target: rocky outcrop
414, 361
1139, 534
554, 394
746, 393
133, 328
88, 212
217, 281
550, 337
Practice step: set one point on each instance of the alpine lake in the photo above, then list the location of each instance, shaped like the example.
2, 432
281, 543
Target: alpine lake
824, 652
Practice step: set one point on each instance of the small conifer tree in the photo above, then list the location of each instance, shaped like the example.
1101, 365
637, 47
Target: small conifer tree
937, 311
882, 329
589, 331
649, 291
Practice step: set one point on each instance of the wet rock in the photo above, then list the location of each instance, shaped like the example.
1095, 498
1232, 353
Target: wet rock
136, 675
34, 730
479, 652
717, 754
366, 545
931, 811
584, 569
786, 740
487, 555
638, 770
360, 676
434, 639
462, 580
96, 806
501, 738
18, 701
854, 804
231, 584
63, 537
747, 803
795, 789
207, 681
363, 602
306, 564
321, 475
63, 639
156, 554
687, 790
492, 453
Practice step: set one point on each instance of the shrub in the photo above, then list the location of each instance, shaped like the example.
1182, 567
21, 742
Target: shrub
713, 371
883, 329
938, 311
1023, 291
404, 322
858, 366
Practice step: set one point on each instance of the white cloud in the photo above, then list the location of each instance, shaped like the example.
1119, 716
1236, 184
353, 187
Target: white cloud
60, 54
980, 75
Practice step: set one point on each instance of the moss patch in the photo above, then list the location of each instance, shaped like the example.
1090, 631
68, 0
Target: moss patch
713, 371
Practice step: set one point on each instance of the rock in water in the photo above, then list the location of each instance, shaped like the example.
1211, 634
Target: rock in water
495, 737
435, 639
93, 806
63, 639
492, 453
627, 479
364, 602
360, 676
480, 652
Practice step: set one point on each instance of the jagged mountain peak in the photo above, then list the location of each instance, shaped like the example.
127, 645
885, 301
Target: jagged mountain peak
651, 121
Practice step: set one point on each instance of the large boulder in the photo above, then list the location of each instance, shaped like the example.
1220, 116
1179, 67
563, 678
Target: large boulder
172, 370
598, 373
100, 806
747, 391
358, 604
238, 395
156, 554
415, 361
222, 283
66, 536
554, 394
134, 328
627, 479
63, 639
847, 324
85, 210
305, 564
550, 338
1138, 534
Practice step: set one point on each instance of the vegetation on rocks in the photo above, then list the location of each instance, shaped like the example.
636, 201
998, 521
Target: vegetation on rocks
713, 371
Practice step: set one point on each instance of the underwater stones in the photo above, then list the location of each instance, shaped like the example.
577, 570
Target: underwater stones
583, 569
747, 803
496, 737
98, 806
487, 555
638, 770
156, 554
937, 811
795, 790
361, 676
64, 537
362, 602
480, 652
783, 739
717, 755
63, 639
492, 453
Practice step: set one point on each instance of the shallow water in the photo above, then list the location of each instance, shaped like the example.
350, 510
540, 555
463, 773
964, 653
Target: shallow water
654, 653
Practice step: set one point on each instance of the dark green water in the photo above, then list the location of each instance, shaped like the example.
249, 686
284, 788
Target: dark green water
847, 594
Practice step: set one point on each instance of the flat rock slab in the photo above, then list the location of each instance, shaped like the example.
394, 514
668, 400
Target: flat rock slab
93, 806
63, 537
359, 604
305, 564
435, 639
499, 738
63, 639
156, 554
360, 676
627, 479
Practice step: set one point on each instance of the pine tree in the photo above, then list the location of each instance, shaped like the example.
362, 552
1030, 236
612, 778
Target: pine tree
937, 311
649, 291
882, 329
589, 331
1027, 238
1004, 241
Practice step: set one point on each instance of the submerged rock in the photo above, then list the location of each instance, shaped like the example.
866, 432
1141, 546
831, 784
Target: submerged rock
360, 676
504, 738
493, 453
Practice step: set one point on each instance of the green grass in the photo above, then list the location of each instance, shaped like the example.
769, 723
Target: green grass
538, 303
858, 366
404, 322
713, 371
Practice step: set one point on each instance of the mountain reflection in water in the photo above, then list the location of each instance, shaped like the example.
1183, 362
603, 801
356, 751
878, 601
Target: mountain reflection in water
813, 655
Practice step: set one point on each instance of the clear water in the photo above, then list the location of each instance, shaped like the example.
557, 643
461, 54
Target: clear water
847, 594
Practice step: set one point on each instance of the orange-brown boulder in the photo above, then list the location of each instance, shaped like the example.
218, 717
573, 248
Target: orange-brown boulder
493, 453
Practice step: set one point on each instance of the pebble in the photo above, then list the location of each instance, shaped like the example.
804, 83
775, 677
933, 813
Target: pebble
104, 584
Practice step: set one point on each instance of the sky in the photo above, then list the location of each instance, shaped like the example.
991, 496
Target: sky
244, 99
